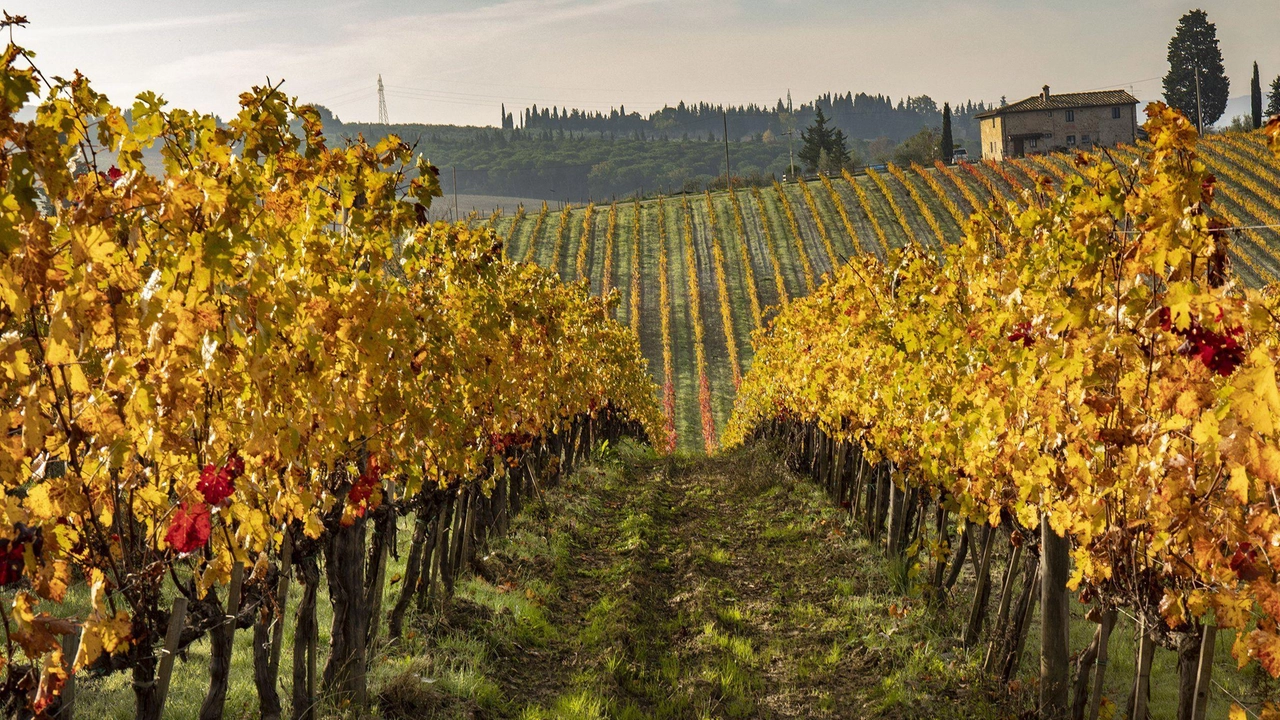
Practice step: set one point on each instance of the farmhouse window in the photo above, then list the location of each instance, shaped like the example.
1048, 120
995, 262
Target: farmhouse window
1115, 113
1071, 116
1071, 139
1085, 140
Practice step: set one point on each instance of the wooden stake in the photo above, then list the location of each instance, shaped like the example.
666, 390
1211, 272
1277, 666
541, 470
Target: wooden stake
1100, 669
1142, 680
177, 618
1055, 619
282, 599
67, 703
1002, 614
1205, 675
978, 610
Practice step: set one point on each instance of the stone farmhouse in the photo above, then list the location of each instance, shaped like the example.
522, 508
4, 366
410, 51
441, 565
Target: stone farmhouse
1047, 123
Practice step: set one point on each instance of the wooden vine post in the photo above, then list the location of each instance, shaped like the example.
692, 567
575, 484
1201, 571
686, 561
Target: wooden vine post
1100, 667
1204, 674
1055, 619
173, 634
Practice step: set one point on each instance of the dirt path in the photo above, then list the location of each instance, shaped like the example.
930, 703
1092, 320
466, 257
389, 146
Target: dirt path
667, 589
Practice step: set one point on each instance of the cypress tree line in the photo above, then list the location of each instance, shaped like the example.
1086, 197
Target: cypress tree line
1256, 97
1195, 46
947, 144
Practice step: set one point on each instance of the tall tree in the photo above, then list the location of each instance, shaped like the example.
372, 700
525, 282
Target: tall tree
1195, 47
1255, 89
817, 137
947, 144
1273, 107
838, 149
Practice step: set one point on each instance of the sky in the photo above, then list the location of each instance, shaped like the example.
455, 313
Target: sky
457, 61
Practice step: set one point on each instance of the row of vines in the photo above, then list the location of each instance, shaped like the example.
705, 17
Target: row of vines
223, 375
1084, 380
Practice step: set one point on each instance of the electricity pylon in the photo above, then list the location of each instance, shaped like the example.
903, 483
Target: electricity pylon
383, 117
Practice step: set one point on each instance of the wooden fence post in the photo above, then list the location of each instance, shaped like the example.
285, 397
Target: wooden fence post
177, 618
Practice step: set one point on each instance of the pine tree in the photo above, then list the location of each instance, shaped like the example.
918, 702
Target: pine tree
1195, 46
816, 139
947, 143
1273, 107
1256, 98
838, 150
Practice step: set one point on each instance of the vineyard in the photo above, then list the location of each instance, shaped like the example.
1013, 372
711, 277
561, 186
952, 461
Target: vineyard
712, 270
268, 422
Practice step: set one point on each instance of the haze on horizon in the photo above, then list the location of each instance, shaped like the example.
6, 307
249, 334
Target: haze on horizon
457, 62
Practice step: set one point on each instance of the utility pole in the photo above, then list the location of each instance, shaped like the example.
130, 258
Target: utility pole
791, 152
1199, 110
383, 117
791, 117
728, 179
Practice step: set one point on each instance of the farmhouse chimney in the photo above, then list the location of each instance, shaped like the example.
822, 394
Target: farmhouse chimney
1045, 94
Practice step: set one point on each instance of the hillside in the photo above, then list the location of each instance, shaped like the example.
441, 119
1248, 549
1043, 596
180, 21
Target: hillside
731, 259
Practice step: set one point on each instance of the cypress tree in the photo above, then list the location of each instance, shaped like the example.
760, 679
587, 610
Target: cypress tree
1255, 89
1195, 46
947, 144
1273, 107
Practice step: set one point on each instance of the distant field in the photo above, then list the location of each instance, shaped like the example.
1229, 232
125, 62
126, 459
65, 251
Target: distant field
775, 243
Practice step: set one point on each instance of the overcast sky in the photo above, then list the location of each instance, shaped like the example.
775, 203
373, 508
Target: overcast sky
455, 61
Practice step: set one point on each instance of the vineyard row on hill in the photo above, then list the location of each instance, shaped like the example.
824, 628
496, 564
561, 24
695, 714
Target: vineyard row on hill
756, 249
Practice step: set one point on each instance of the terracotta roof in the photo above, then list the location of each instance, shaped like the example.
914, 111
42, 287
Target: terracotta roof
1064, 101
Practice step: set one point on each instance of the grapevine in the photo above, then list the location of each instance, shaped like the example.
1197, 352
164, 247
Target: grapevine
796, 237
842, 211
931, 180
748, 270
610, 239
975, 204
584, 245
779, 281
812, 204
894, 206
692, 286
722, 290
664, 304
865, 202
509, 243
537, 230
636, 249
929, 219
